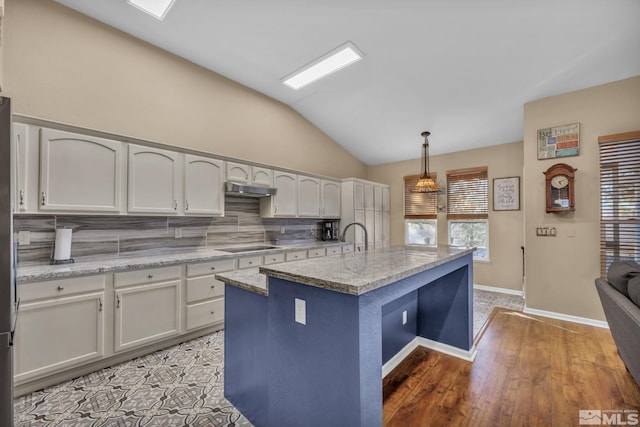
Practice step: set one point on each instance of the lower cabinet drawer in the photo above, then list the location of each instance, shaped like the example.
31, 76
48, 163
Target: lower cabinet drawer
347, 249
139, 277
205, 313
293, 256
273, 258
315, 253
60, 288
334, 250
205, 287
250, 261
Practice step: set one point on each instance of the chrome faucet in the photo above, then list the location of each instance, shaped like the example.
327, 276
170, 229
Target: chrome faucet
366, 236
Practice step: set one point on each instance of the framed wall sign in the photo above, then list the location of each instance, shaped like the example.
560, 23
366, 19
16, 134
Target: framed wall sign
506, 194
560, 141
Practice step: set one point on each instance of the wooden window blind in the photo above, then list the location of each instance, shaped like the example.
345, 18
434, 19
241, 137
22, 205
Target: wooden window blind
468, 193
619, 198
419, 205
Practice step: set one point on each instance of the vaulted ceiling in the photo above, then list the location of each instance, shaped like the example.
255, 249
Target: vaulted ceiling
461, 69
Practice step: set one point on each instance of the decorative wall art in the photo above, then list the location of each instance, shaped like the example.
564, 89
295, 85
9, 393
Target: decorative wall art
559, 141
506, 194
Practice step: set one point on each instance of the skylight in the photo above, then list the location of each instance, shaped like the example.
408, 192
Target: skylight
327, 64
156, 8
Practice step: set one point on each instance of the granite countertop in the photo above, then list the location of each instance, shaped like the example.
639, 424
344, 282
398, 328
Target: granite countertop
36, 273
354, 273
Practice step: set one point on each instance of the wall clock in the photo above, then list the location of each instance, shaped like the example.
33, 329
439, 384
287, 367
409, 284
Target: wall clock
560, 188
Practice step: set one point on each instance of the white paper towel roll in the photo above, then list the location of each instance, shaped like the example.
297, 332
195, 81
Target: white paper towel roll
63, 244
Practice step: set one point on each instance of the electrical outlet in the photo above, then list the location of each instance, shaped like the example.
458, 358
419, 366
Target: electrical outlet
404, 317
282, 229
178, 233
301, 311
24, 237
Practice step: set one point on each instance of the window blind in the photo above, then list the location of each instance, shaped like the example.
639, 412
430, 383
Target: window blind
468, 193
419, 205
619, 198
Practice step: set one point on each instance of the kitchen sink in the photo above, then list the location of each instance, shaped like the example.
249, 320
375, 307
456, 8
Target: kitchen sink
247, 249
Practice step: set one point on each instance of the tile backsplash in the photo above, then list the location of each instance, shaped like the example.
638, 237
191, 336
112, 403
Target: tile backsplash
97, 237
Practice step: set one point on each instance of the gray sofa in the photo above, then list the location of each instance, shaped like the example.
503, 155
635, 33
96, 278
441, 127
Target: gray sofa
620, 297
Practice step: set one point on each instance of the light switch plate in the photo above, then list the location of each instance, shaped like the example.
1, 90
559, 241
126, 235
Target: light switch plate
178, 233
24, 237
301, 311
404, 317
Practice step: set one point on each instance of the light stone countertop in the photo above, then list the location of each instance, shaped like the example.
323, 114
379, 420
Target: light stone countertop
36, 273
354, 273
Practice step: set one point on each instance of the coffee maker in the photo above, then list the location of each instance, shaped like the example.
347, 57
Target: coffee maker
329, 230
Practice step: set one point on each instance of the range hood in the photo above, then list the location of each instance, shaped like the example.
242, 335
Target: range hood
242, 190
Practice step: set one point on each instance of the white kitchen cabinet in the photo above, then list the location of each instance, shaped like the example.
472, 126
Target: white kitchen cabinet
20, 135
205, 294
60, 325
330, 199
154, 180
147, 312
365, 202
285, 202
309, 190
386, 229
245, 174
79, 172
203, 185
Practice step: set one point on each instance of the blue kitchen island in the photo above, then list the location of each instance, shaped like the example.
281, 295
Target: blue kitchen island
306, 341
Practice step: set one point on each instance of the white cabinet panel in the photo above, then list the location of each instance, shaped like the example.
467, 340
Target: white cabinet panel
386, 229
261, 176
308, 197
79, 172
368, 196
20, 166
146, 313
377, 227
386, 207
331, 199
377, 198
237, 172
358, 195
203, 185
285, 202
58, 333
154, 180
205, 313
369, 220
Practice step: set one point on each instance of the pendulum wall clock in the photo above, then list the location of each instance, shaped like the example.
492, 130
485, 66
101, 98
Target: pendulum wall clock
559, 188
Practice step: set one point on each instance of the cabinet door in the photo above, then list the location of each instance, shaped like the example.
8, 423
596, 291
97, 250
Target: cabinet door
386, 229
154, 178
377, 197
285, 202
331, 199
385, 199
369, 221
358, 195
146, 313
20, 165
58, 333
79, 172
377, 227
238, 172
203, 185
368, 196
261, 176
308, 197
358, 232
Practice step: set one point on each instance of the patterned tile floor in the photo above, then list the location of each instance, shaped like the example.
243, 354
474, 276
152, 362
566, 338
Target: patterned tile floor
178, 386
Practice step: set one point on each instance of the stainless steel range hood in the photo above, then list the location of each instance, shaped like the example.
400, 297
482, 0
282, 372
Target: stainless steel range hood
242, 190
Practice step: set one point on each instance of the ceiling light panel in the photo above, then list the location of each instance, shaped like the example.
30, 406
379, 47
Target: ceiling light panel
333, 61
156, 8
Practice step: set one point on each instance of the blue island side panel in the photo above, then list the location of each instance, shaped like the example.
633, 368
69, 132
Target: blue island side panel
245, 353
395, 335
314, 368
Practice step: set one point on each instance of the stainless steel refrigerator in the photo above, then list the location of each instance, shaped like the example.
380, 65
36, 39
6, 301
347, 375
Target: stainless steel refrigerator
7, 267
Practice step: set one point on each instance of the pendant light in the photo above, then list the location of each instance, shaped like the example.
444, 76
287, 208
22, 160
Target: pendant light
426, 183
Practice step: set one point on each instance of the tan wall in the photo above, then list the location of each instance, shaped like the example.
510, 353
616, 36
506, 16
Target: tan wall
63, 66
505, 227
561, 270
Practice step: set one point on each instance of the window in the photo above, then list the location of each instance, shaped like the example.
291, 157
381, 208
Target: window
468, 209
420, 214
619, 199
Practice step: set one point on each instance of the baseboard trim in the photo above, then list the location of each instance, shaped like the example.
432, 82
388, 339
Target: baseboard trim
567, 317
500, 290
468, 355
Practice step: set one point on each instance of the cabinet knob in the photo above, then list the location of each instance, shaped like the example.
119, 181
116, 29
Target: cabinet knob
44, 198
186, 205
213, 286
213, 268
150, 276
213, 312
61, 288
250, 262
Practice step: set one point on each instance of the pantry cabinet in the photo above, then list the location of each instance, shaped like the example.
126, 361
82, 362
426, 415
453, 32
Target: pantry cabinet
153, 180
365, 202
147, 306
60, 325
79, 172
203, 185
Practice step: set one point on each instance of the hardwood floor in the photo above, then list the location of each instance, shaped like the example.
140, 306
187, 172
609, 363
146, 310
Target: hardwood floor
529, 371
